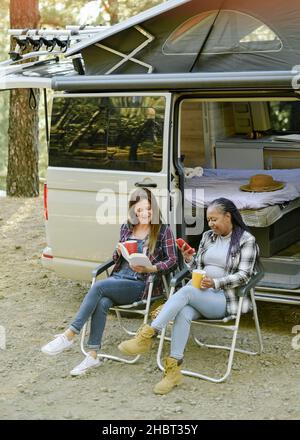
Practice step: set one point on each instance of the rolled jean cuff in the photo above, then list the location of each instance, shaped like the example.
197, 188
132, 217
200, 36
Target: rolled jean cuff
178, 357
156, 327
75, 330
93, 346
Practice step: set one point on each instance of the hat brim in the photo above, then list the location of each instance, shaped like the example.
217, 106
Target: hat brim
277, 185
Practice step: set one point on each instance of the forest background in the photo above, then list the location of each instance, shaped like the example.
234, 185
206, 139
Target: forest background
57, 15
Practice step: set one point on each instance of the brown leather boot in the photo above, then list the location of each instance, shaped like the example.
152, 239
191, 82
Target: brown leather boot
141, 343
172, 377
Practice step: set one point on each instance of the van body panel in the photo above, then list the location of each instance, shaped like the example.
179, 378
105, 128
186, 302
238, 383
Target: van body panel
75, 226
68, 268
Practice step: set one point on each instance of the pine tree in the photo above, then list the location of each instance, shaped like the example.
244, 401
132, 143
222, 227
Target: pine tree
22, 170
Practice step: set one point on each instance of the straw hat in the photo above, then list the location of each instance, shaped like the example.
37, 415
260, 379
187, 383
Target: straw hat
261, 183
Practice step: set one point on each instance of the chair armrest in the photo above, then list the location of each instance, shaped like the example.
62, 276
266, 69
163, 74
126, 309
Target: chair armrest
102, 267
179, 277
244, 290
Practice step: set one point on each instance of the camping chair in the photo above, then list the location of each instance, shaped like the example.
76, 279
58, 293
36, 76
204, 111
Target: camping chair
220, 323
141, 307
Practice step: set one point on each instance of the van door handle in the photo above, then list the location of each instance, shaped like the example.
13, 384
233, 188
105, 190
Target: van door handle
146, 185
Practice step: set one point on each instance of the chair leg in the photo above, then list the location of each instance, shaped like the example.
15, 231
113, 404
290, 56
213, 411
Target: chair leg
162, 339
160, 349
232, 349
148, 303
126, 330
240, 350
257, 326
118, 358
145, 313
192, 373
103, 355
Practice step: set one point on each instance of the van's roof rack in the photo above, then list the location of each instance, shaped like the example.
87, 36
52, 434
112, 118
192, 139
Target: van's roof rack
44, 45
39, 54
68, 30
41, 42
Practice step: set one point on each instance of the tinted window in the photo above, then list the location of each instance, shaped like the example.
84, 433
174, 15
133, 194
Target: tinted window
121, 133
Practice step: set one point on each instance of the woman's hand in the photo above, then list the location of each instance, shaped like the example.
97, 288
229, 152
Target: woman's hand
207, 283
144, 269
187, 254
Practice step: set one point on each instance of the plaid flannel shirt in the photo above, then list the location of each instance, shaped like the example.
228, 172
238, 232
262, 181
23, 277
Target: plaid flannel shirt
164, 256
239, 269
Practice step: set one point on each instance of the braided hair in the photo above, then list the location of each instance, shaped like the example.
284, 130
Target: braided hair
238, 225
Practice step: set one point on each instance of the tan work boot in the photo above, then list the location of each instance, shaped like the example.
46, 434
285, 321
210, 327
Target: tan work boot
172, 377
141, 343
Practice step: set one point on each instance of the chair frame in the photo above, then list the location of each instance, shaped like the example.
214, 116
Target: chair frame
128, 308
222, 323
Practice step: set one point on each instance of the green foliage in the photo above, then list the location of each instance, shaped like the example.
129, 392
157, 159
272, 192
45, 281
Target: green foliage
281, 116
60, 14
128, 8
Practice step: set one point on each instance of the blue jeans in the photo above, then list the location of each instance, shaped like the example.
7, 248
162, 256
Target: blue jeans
101, 296
184, 306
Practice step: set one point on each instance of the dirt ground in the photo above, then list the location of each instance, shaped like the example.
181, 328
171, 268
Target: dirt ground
35, 304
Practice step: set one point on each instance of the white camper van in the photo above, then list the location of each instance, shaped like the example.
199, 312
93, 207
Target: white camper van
190, 100
194, 147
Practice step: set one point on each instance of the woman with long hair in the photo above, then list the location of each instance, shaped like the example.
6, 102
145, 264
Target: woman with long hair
227, 253
127, 283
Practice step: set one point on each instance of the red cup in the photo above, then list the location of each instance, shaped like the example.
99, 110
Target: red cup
131, 246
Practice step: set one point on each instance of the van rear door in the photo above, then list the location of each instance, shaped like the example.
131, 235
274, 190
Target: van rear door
102, 146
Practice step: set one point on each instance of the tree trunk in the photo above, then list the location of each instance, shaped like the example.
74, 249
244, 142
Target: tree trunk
22, 170
112, 8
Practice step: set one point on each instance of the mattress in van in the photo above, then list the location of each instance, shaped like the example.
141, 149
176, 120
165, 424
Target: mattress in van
265, 217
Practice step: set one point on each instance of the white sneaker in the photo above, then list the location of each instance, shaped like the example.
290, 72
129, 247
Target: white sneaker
59, 344
88, 363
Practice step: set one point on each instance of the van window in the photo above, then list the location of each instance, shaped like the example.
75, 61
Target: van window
120, 133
